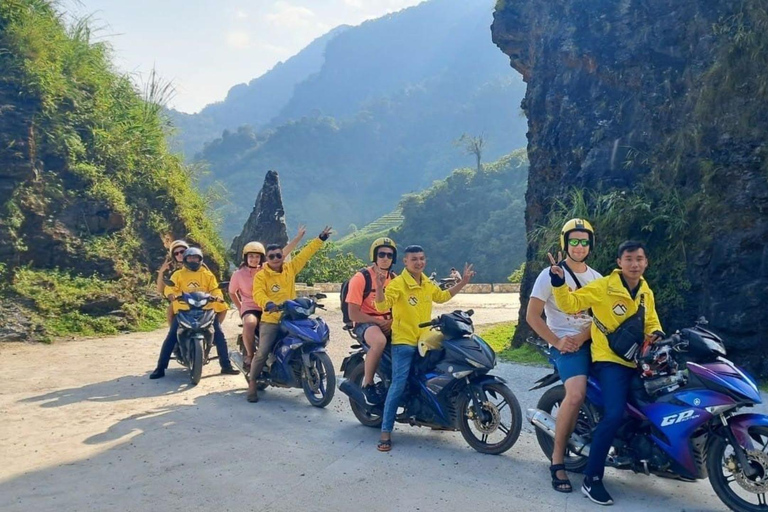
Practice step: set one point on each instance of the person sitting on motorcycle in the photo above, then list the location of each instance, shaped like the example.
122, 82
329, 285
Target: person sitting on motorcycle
454, 274
371, 325
410, 296
567, 336
275, 284
194, 277
171, 264
241, 289
613, 300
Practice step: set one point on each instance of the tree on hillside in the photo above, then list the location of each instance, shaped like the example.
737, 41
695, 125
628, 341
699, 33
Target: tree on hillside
472, 145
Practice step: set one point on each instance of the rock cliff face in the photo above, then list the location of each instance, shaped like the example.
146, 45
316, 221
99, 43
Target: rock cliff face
666, 101
266, 223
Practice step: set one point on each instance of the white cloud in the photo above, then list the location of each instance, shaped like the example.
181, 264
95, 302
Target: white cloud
290, 16
241, 15
238, 39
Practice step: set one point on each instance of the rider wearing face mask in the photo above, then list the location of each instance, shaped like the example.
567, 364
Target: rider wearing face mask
193, 277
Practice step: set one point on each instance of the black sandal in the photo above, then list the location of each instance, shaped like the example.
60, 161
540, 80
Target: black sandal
559, 484
384, 445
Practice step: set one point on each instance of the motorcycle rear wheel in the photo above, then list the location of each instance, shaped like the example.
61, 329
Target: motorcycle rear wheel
369, 420
550, 403
196, 371
729, 488
469, 418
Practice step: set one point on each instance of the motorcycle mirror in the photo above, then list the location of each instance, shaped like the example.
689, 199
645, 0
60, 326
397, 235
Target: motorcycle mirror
168, 282
320, 296
470, 312
223, 285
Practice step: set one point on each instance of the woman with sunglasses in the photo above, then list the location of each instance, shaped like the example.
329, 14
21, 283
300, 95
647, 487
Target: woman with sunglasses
172, 263
241, 288
567, 335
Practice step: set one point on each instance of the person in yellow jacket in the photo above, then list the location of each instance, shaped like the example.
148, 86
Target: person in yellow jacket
276, 283
613, 299
193, 277
410, 296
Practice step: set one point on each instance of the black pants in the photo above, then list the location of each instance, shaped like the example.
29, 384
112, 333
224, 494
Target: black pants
171, 339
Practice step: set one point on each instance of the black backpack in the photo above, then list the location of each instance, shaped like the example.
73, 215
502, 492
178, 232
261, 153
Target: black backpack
366, 292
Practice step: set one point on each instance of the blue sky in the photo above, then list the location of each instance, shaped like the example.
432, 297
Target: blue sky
204, 47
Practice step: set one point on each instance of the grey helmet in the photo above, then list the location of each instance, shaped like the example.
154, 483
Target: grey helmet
193, 251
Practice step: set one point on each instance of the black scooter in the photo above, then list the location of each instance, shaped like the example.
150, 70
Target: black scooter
448, 389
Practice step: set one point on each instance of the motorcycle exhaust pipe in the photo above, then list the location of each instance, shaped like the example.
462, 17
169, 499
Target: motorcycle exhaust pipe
546, 423
354, 392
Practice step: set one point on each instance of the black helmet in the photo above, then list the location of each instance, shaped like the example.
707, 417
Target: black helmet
193, 265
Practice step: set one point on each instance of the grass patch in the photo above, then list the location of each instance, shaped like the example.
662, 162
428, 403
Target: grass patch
58, 298
499, 337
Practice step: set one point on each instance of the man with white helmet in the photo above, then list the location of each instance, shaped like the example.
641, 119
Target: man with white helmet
193, 277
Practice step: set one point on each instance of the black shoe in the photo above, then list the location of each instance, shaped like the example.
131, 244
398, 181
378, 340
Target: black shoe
594, 489
159, 373
371, 396
230, 371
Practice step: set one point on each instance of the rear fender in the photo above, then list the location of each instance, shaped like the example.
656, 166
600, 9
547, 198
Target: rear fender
740, 425
350, 363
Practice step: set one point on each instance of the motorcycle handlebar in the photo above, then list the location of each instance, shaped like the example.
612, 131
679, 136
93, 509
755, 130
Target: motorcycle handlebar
426, 324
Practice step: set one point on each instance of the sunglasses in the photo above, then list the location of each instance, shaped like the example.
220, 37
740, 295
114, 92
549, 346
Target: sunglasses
176, 253
275, 256
574, 242
388, 255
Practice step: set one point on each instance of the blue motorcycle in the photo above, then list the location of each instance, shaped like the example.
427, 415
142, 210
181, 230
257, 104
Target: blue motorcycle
449, 388
681, 420
298, 358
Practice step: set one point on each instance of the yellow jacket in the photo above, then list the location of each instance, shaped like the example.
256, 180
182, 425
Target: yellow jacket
611, 304
277, 287
411, 304
187, 281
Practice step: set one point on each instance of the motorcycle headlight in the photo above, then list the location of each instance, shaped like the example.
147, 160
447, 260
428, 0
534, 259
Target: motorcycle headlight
184, 323
474, 363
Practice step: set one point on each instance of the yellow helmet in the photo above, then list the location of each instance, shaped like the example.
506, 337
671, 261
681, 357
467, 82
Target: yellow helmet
175, 244
383, 242
576, 225
255, 247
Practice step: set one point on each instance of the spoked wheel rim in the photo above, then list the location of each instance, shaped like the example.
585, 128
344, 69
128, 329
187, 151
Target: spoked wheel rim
584, 426
736, 489
319, 381
495, 427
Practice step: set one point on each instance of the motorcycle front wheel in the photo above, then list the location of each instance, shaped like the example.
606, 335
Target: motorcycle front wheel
196, 371
319, 380
495, 427
737, 490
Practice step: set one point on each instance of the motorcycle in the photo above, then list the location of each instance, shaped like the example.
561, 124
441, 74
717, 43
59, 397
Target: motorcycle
680, 420
298, 358
447, 283
448, 389
195, 332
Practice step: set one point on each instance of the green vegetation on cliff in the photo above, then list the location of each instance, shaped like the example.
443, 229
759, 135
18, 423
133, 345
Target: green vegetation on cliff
471, 216
89, 193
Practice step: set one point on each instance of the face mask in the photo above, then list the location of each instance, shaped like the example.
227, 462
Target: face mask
194, 266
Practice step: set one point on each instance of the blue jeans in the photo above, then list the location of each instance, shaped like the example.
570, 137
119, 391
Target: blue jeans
166, 351
402, 357
615, 381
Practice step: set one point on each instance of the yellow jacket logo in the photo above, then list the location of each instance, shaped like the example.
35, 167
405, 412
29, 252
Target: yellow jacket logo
412, 300
619, 309
193, 284
275, 288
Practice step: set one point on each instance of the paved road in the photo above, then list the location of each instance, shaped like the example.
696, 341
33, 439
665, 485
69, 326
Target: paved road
84, 429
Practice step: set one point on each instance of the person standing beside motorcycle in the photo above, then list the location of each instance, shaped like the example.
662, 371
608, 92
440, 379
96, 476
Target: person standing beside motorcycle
614, 301
193, 277
241, 288
171, 264
371, 325
410, 296
567, 336
276, 283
